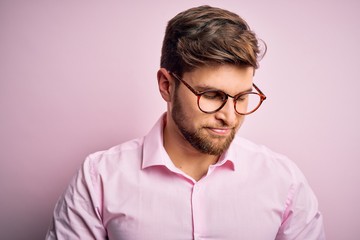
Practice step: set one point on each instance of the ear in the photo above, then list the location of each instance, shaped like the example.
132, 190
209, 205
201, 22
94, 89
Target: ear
166, 84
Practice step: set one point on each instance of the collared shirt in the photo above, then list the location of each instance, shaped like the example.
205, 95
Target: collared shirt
134, 191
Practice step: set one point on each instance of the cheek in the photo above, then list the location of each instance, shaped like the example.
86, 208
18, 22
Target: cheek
188, 105
185, 107
241, 120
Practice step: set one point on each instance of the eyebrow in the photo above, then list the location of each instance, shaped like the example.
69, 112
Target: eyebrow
200, 89
208, 88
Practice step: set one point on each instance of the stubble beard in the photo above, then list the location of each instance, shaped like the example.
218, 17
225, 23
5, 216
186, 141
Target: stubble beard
201, 141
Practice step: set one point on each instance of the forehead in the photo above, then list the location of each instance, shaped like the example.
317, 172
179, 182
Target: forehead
228, 78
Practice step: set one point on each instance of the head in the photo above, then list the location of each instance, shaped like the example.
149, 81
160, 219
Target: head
208, 48
204, 36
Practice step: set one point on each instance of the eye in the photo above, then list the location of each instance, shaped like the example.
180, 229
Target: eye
214, 95
242, 98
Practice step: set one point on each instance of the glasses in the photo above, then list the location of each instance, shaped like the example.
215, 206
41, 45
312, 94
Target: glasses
211, 101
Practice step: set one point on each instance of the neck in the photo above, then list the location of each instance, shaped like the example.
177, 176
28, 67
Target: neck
184, 156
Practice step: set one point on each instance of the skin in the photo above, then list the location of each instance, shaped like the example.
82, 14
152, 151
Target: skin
215, 130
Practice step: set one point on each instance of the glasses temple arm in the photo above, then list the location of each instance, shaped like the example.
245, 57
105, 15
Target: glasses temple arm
258, 89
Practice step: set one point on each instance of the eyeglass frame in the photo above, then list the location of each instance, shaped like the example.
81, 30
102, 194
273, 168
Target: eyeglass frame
200, 93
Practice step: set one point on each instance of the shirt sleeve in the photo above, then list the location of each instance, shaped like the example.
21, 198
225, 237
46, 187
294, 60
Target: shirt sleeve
301, 219
77, 214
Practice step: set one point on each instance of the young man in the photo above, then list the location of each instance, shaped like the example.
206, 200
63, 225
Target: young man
191, 177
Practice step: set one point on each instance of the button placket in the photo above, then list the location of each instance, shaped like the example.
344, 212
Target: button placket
196, 210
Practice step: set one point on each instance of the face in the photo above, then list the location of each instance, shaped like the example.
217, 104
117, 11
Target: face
210, 133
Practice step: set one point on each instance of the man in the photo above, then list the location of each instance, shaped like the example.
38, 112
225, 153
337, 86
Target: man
191, 177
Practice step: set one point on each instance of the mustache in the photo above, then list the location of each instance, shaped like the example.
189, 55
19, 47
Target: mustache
221, 124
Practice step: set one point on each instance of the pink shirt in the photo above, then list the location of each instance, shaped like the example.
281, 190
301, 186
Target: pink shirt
134, 191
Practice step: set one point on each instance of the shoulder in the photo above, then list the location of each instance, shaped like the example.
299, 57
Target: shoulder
260, 158
254, 148
123, 155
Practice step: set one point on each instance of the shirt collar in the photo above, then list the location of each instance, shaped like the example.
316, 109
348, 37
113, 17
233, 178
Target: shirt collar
154, 153
153, 148
227, 158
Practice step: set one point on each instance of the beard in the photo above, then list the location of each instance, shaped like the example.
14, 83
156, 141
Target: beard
199, 139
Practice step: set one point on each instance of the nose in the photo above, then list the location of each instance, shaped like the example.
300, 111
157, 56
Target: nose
227, 113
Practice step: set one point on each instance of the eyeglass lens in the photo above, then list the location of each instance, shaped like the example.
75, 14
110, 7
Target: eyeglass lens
214, 100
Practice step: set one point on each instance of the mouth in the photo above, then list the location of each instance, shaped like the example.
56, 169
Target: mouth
221, 131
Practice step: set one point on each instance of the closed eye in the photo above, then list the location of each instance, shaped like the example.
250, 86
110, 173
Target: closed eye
214, 95
242, 97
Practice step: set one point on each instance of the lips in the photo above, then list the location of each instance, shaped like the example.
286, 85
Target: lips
220, 131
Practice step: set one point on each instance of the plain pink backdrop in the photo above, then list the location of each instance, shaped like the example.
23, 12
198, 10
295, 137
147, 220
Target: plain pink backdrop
80, 76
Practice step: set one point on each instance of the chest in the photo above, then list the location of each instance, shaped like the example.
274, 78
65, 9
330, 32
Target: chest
171, 207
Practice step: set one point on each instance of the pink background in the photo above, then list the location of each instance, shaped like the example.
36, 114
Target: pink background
80, 76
